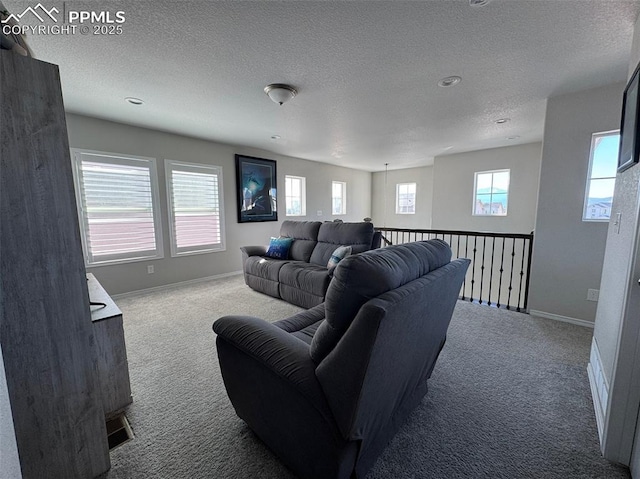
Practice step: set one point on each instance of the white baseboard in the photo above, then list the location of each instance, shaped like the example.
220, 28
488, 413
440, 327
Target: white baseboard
564, 319
174, 285
599, 388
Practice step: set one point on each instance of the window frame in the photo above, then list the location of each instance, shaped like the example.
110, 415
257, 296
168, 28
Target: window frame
343, 197
587, 188
415, 194
475, 192
303, 195
116, 159
193, 167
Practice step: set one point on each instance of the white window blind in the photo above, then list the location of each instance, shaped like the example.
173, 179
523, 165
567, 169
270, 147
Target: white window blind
117, 202
195, 207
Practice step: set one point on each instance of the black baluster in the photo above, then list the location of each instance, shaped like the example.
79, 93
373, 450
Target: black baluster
501, 271
484, 244
526, 287
473, 266
466, 246
521, 274
513, 257
493, 248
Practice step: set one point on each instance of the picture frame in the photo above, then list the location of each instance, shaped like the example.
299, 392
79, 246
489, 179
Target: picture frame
629, 152
256, 189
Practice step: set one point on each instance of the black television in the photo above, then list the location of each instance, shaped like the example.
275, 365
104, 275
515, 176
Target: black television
629, 138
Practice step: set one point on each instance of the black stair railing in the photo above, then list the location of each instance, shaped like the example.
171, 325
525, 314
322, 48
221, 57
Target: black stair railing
500, 268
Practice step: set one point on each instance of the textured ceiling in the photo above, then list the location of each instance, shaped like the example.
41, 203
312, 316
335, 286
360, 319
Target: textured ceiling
366, 72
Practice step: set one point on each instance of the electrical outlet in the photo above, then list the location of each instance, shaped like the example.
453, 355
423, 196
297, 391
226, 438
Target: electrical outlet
592, 294
150, 269
319, 212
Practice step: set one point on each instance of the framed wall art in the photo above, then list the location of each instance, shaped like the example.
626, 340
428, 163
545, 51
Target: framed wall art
256, 189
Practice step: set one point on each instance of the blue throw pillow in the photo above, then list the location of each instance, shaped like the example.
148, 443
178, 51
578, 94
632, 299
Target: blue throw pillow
279, 248
339, 254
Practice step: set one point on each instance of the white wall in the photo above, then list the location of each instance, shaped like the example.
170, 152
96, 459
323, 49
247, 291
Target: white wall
101, 135
614, 365
568, 252
9, 459
453, 178
383, 200
619, 246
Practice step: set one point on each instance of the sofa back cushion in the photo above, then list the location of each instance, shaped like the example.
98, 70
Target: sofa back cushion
331, 235
380, 366
362, 277
305, 235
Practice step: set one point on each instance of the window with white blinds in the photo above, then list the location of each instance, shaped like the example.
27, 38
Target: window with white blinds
117, 199
195, 207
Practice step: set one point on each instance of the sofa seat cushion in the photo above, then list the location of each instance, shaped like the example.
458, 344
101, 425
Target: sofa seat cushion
304, 324
307, 277
307, 333
263, 267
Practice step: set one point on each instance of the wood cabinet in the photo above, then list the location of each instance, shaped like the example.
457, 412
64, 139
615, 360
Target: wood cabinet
46, 338
113, 368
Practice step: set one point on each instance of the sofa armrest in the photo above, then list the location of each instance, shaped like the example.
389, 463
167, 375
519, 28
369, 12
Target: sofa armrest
271, 382
253, 251
281, 352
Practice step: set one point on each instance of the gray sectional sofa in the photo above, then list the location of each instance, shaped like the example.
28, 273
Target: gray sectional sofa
303, 278
328, 388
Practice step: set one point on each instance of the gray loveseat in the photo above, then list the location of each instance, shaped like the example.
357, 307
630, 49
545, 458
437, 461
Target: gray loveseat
328, 388
303, 278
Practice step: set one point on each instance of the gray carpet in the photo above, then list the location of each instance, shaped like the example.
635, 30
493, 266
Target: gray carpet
509, 397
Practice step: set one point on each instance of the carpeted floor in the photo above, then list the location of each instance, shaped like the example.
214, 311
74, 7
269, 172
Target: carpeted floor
509, 397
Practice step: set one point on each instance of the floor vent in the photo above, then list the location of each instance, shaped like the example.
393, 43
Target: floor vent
118, 431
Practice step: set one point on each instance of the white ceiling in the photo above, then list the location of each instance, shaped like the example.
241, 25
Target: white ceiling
366, 72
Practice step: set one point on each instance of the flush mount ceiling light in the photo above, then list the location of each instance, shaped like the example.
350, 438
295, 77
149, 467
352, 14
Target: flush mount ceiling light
478, 3
133, 100
500, 121
280, 93
449, 81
